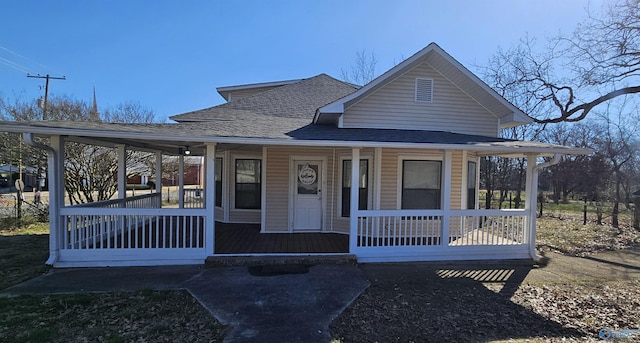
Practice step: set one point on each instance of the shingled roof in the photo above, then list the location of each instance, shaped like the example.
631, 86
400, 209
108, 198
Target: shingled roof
298, 100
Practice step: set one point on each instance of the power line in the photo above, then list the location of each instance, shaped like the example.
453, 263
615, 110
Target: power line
28, 59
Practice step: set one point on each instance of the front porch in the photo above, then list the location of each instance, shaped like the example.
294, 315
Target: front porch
141, 230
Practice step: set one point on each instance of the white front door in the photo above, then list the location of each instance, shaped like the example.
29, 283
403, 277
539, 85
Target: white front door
307, 196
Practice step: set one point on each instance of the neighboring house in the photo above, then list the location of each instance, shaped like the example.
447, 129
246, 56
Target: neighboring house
192, 172
288, 160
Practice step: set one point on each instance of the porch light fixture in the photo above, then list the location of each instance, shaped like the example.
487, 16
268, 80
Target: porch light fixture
187, 152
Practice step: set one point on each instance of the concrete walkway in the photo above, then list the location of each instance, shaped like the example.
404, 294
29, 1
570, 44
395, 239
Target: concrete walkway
300, 307
276, 308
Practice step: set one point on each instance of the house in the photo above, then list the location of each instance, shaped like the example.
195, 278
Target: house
386, 172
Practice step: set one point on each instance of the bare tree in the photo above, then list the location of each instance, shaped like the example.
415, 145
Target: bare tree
363, 70
90, 171
575, 73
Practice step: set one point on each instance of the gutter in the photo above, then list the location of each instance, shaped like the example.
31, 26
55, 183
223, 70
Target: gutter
53, 246
532, 232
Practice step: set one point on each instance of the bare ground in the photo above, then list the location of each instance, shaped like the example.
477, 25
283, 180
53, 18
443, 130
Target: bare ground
590, 280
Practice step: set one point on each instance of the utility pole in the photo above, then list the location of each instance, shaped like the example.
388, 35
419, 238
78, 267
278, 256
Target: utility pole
41, 176
46, 90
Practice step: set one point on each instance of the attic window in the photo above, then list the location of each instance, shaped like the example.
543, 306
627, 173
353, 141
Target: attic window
424, 90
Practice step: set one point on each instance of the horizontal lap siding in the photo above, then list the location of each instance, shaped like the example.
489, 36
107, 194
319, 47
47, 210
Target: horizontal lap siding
394, 107
277, 188
458, 167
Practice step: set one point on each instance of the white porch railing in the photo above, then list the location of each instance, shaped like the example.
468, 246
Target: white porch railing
438, 234
152, 200
135, 229
193, 198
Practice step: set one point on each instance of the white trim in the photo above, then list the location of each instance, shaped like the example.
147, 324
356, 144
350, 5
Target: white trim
122, 170
209, 198
416, 157
292, 188
465, 175
263, 191
226, 184
377, 179
370, 185
445, 191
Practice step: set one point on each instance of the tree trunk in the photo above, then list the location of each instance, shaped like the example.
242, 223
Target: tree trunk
584, 212
616, 206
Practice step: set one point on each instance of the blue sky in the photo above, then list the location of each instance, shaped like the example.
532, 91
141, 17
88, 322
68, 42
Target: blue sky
171, 55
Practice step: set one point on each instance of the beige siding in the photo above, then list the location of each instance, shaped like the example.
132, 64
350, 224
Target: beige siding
458, 167
394, 106
277, 188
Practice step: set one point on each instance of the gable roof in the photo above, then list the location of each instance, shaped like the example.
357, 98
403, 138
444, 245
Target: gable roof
508, 114
299, 99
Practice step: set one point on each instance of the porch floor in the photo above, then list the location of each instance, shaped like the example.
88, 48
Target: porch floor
247, 239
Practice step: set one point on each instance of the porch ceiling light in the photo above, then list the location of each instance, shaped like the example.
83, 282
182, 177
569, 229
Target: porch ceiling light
187, 152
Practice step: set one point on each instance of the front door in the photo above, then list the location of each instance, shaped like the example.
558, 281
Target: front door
307, 196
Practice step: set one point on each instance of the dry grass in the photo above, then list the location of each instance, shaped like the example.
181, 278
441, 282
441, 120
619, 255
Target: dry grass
564, 232
145, 316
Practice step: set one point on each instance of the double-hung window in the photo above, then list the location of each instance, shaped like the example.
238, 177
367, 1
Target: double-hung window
248, 190
421, 184
363, 186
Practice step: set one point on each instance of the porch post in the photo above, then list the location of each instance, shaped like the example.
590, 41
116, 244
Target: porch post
210, 196
181, 181
531, 201
122, 172
55, 161
355, 189
446, 197
159, 172
377, 178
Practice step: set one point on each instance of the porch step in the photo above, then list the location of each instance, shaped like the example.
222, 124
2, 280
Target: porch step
251, 261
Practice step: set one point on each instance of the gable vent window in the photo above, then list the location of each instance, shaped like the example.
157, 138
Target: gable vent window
424, 90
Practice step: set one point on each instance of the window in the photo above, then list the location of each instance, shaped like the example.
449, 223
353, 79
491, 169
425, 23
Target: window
471, 185
424, 90
363, 193
421, 185
218, 177
248, 184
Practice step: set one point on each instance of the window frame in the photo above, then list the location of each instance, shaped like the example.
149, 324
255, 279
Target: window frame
341, 179
235, 182
400, 176
219, 163
476, 182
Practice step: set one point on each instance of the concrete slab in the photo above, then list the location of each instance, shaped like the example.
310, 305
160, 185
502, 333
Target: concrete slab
272, 308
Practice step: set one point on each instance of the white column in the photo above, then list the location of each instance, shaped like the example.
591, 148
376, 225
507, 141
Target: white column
530, 204
55, 161
210, 196
355, 185
377, 178
181, 181
446, 197
122, 172
158, 171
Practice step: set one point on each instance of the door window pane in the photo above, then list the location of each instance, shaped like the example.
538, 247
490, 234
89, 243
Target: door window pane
308, 179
